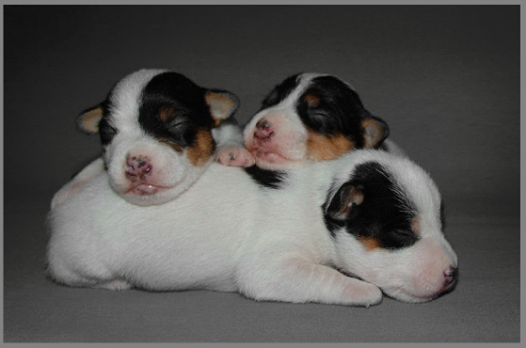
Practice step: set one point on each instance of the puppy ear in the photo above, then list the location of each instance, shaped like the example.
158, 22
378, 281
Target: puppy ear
223, 104
88, 121
375, 131
345, 201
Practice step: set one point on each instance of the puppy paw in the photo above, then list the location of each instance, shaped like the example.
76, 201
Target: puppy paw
235, 157
366, 295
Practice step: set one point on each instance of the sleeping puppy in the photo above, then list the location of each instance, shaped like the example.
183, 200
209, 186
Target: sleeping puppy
367, 214
308, 116
159, 132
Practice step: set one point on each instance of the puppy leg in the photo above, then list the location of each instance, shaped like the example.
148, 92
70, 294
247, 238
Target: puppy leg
230, 150
72, 187
71, 279
297, 280
65, 267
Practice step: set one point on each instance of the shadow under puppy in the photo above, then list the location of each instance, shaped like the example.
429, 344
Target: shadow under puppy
222, 230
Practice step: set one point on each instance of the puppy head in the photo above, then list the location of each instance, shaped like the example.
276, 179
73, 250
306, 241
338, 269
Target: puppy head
155, 129
311, 117
385, 214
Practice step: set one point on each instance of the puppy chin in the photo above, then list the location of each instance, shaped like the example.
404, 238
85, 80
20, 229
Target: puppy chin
144, 194
272, 157
405, 296
148, 196
274, 161
411, 294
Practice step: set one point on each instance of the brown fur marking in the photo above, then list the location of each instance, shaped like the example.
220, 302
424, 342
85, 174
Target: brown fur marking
202, 149
220, 105
89, 121
166, 114
322, 148
217, 121
312, 100
370, 243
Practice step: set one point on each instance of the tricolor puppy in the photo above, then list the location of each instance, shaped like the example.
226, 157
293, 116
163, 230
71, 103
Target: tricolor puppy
308, 116
367, 214
388, 214
156, 129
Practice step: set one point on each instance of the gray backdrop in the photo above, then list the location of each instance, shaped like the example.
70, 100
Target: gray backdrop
445, 78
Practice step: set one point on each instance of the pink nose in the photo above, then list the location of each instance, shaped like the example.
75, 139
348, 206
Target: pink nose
263, 130
137, 168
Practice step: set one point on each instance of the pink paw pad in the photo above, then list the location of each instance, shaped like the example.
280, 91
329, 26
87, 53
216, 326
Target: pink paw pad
235, 157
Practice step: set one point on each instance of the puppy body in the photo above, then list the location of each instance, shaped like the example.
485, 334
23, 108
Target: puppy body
229, 233
159, 247
264, 244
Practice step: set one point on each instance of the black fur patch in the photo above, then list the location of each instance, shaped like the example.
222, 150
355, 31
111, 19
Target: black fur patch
385, 214
339, 110
266, 178
186, 101
280, 92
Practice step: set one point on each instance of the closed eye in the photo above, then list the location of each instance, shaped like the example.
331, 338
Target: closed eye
401, 238
177, 125
181, 130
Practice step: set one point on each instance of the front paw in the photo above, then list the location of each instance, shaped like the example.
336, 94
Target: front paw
365, 295
235, 157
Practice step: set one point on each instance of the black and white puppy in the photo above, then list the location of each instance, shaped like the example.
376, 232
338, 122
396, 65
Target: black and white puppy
203, 225
307, 117
367, 214
159, 132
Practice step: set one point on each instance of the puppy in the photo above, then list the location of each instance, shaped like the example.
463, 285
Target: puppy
158, 131
308, 116
367, 214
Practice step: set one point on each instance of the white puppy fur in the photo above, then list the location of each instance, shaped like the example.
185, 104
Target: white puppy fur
227, 233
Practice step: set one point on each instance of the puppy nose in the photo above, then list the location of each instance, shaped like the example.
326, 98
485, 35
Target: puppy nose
451, 275
137, 168
263, 130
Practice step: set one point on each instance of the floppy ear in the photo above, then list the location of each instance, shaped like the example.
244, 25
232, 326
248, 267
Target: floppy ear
88, 121
223, 104
345, 201
375, 131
